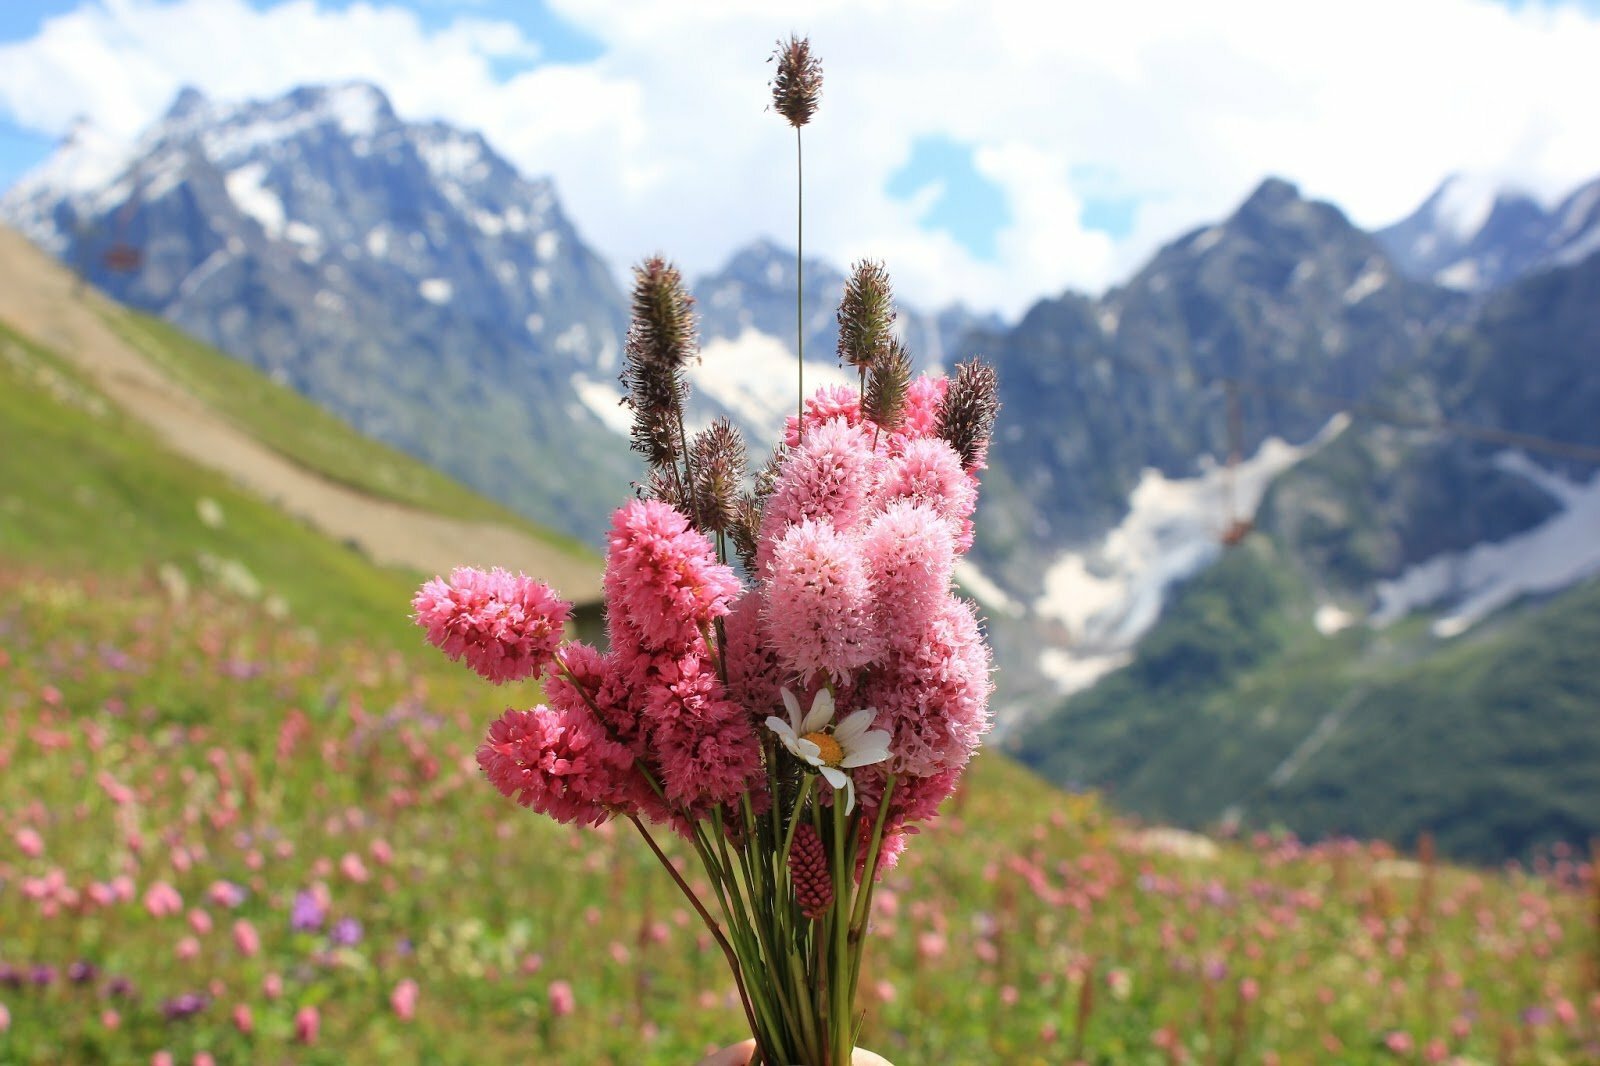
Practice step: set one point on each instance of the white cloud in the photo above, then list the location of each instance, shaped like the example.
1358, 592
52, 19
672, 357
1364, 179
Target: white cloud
662, 143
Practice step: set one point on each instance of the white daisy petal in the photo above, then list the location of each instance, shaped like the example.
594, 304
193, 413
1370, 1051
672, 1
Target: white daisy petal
820, 715
864, 757
807, 750
779, 726
849, 795
793, 706
854, 725
836, 778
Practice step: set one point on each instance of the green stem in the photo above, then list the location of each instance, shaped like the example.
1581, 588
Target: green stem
799, 284
711, 924
838, 970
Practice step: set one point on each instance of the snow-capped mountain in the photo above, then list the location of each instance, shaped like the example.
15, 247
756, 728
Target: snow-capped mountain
1474, 233
400, 273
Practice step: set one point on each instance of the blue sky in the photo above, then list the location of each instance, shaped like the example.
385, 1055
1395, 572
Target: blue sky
990, 151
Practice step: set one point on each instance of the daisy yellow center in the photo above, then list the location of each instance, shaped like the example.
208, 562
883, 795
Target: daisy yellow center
831, 753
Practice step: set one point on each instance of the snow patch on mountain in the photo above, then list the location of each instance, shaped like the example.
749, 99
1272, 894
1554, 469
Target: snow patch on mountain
752, 377
1372, 278
604, 400
985, 591
1465, 203
1475, 583
1109, 595
245, 190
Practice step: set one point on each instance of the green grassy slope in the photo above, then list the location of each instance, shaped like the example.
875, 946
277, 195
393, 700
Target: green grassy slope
1488, 741
85, 487
311, 436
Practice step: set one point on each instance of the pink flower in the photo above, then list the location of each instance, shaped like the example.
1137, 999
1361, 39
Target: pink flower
663, 581
353, 868
243, 1020
29, 842
928, 471
1399, 1042
932, 692
923, 400
307, 1023
161, 900
161, 1058
704, 745
831, 477
562, 1002
188, 949
404, 1000
110, 1019
245, 938
506, 628
754, 674
272, 986
828, 403
203, 1058
910, 555
818, 608
559, 762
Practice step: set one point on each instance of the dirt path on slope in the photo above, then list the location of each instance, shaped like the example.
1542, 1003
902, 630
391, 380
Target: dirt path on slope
37, 298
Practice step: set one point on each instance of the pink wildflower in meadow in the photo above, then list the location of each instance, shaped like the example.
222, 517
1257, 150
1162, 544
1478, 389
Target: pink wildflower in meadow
29, 842
818, 608
245, 938
558, 762
506, 627
404, 1000
162, 900
307, 1024
663, 581
562, 1001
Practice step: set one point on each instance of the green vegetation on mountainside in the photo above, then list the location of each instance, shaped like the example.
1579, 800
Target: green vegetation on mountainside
308, 434
84, 486
1235, 704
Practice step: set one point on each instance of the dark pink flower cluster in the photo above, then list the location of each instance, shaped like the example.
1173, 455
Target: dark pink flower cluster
663, 582
557, 760
507, 627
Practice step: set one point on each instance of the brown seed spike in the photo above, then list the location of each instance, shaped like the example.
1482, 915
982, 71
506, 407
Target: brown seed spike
866, 316
885, 399
966, 418
661, 340
798, 83
717, 457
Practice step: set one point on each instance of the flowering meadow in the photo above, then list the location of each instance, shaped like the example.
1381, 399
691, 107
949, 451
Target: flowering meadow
225, 839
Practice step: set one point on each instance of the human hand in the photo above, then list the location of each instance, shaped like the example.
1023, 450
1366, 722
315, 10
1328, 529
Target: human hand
742, 1053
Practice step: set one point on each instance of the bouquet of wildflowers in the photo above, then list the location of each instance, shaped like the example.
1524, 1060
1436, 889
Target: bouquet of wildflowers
791, 685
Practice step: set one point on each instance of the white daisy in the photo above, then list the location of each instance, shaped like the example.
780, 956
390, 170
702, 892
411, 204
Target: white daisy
851, 743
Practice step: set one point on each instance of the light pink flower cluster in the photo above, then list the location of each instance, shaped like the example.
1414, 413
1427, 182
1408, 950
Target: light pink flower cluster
506, 627
858, 546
